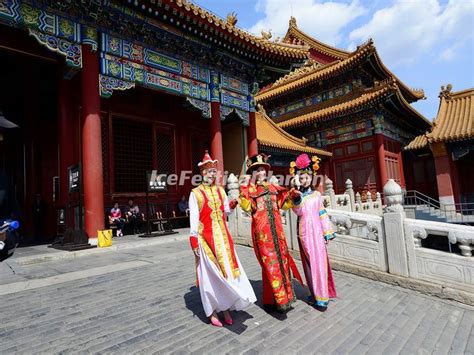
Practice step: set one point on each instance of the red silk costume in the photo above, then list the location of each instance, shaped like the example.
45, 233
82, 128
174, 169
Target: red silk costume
264, 201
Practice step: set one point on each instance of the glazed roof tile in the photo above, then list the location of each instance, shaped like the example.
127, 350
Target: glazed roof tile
271, 136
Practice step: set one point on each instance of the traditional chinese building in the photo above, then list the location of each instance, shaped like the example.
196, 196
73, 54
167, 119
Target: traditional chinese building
446, 153
280, 145
123, 87
351, 105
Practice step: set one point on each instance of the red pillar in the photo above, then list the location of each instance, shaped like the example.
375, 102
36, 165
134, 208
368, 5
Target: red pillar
443, 173
252, 145
91, 144
66, 133
216, 136
381, 160
401, 170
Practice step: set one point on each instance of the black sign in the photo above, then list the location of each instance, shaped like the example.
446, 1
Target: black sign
156, 182
61, 216
74, 177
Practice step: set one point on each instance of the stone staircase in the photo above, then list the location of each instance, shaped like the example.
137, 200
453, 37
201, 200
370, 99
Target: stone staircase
425, 208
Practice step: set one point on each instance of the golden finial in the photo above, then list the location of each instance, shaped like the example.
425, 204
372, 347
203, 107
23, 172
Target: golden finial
232, 19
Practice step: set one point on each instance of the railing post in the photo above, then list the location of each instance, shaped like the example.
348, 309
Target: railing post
329, 191
393, 219
233, 193
350, 192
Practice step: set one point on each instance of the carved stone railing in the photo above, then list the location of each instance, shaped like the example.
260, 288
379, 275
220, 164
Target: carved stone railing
389, 244
351, 201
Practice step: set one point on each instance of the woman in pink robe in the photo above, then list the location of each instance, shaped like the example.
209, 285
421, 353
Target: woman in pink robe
314, 232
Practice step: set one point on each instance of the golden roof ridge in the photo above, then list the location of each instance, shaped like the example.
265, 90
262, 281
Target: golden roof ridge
229, 26
327, 49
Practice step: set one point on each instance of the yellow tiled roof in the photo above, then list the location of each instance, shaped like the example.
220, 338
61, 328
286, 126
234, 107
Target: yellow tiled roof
454, 122
294, 31
455, 119
228, 27
371, 96
315, 72
272, 136
307, 75
418, 142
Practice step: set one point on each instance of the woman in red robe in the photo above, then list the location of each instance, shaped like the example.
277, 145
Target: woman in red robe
264, 201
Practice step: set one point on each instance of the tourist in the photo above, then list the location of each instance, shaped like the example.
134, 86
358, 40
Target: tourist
222, 281
115, 219
183, 206
315, 231
134, 217
264, 201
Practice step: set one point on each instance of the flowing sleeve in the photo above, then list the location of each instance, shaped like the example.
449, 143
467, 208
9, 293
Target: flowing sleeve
246, 202
193, 220
325, 221
298, 206
227, 208
284, 200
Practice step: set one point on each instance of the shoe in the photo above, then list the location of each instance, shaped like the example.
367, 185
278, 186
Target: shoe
321, 308
228, 320
269, 308
216, 322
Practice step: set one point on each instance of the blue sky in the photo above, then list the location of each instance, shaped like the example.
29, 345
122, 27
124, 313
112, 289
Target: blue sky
426, 43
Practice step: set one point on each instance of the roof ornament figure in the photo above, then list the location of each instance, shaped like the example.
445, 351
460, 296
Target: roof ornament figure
292, 22
232, 19
446, 92
266, 35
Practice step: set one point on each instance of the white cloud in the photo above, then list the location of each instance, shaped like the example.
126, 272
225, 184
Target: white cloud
409, 29
322, 20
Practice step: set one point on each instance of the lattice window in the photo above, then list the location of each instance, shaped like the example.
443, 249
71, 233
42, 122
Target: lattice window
133, 154
392, 167
165, 151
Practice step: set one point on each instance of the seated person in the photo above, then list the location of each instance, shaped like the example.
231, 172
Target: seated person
183, 206
115, 219
134, 217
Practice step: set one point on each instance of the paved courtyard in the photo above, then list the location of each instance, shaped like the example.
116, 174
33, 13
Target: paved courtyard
143, 300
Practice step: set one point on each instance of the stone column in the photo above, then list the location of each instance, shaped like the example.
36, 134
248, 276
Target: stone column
393, 219
92, 145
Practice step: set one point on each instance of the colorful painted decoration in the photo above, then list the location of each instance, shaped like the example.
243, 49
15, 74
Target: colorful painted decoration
310, 101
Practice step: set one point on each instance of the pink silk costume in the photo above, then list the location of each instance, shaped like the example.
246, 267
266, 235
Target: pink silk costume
314, 227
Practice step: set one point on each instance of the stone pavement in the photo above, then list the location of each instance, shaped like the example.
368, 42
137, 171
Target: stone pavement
142, 300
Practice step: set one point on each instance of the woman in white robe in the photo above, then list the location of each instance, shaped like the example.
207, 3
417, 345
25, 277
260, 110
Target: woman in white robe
223, 284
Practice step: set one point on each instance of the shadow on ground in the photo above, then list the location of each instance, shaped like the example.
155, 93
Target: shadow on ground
192, 300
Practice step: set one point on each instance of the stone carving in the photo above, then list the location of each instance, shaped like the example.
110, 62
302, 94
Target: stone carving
465, 240
393, 196
418, 234
372, 231
343, 223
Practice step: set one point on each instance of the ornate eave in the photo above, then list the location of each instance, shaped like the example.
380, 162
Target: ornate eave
454, 121
294, 35
270, 136
365, 55
384, 92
